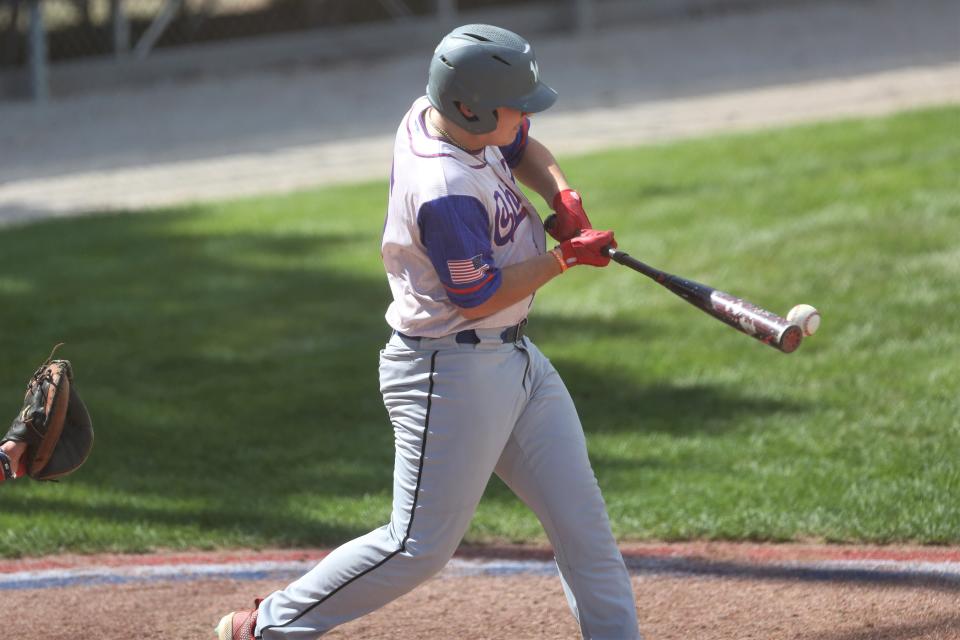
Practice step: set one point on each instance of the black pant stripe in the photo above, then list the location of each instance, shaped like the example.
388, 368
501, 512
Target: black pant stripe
413, 510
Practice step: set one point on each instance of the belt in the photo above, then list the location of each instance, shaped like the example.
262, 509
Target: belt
469, 336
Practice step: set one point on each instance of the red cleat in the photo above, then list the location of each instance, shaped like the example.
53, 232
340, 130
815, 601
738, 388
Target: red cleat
238, 625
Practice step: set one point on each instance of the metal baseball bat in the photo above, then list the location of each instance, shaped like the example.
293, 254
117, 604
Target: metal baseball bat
746, 317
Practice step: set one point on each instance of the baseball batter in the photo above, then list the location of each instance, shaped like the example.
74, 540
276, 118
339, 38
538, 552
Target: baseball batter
467, 392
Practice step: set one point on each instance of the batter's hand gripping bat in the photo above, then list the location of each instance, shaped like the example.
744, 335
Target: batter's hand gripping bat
743, 316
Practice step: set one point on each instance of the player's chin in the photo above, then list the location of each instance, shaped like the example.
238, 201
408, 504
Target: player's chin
506, 139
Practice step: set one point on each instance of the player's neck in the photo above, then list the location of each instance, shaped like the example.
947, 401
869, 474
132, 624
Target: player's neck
454, 134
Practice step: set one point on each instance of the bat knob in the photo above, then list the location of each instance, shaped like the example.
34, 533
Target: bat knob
791, 338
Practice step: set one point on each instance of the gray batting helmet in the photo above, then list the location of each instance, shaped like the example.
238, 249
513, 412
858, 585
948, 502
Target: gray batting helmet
485, 67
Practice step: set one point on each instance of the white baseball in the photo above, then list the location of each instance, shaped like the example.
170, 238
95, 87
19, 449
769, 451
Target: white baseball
806, 317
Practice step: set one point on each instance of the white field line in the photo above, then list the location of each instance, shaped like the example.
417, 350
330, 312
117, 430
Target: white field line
887, 571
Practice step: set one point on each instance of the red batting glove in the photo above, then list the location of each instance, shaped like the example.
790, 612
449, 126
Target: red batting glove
587, 248
570, 218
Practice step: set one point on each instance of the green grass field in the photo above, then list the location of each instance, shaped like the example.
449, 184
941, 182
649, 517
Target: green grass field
228, 353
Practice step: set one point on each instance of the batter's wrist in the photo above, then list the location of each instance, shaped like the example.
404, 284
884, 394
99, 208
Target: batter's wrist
558, 255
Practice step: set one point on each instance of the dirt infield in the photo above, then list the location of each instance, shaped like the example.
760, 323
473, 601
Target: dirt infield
684, 591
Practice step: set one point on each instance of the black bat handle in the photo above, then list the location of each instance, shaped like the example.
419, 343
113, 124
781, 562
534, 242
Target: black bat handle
624, 258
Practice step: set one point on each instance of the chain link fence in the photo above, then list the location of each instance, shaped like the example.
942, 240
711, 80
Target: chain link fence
83, 28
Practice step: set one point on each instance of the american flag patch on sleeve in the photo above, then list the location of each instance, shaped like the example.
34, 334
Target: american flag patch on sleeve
467, 271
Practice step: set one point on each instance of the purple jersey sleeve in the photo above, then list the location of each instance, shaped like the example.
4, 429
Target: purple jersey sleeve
455, 231
513, 152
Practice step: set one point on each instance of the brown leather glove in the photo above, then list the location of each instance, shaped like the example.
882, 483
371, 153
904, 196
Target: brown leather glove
54, 423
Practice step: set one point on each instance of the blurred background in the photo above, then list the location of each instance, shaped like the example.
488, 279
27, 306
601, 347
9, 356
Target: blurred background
40, 33
116, 104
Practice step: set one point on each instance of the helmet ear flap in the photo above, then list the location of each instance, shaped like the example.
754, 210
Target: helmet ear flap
472, 117
473, 121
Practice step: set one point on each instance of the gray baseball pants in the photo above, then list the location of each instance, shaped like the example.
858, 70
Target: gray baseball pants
461, 412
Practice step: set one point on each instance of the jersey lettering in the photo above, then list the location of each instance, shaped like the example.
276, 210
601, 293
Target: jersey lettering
508, 216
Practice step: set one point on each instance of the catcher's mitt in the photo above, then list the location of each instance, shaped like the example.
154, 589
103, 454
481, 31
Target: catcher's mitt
54, 423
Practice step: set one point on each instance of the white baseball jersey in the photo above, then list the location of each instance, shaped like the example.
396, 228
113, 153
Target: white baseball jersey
454, 220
